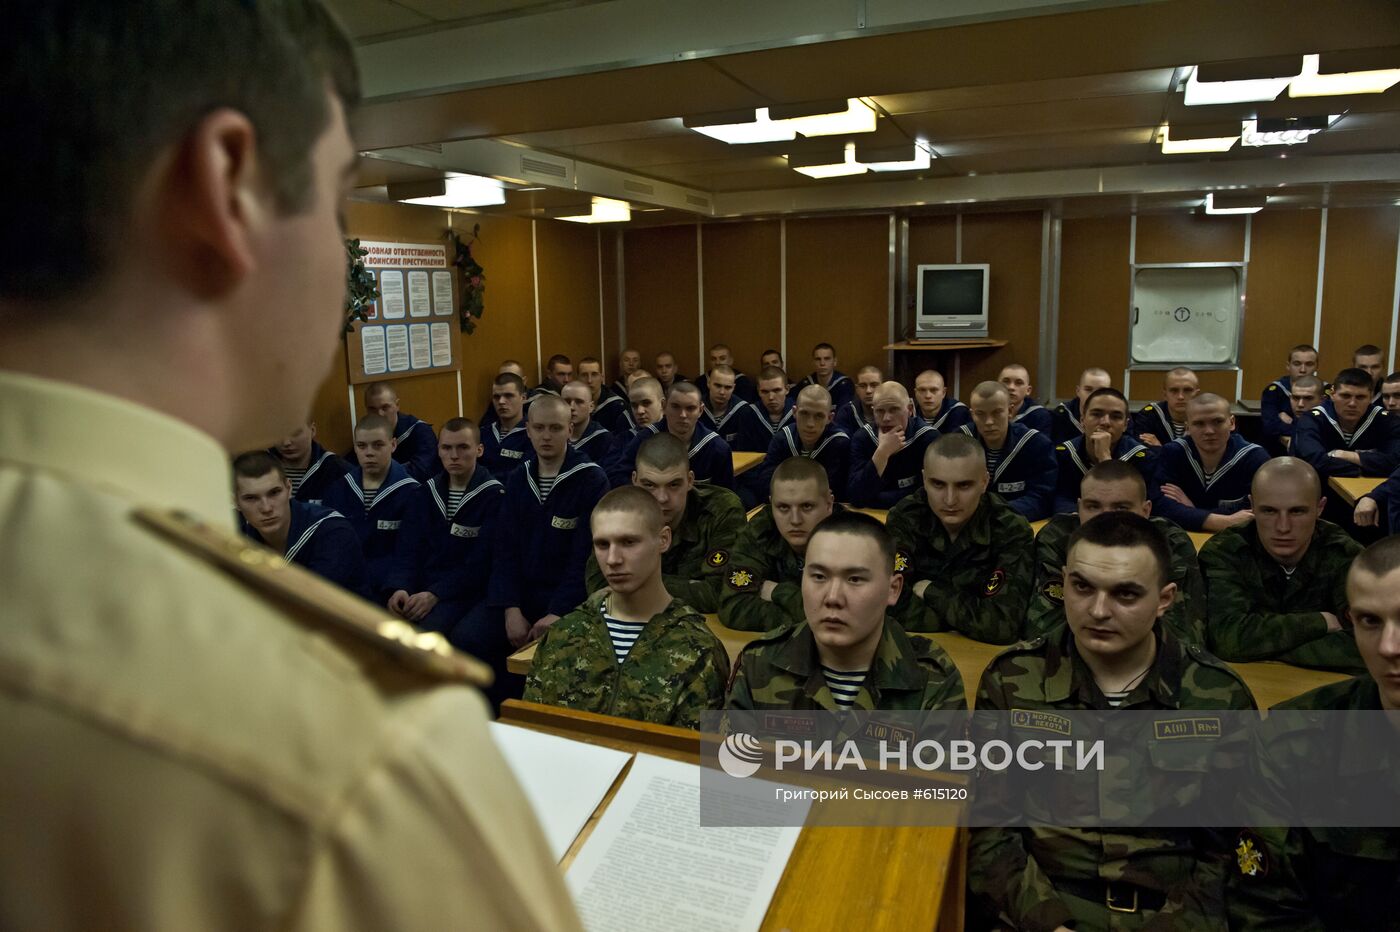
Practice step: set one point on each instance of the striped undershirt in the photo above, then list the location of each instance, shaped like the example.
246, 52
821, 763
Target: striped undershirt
994, 458
546, 486
370, 496
1115, 699
454, 500
844, 684
1178, 430
295, 476
623, 633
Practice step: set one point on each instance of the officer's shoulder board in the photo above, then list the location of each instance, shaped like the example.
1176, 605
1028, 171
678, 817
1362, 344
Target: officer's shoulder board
1147, 408
313, 601
1316, 412
1207, 659
1272, 387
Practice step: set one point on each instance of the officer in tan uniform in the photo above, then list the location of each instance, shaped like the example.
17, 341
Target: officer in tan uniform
195, 734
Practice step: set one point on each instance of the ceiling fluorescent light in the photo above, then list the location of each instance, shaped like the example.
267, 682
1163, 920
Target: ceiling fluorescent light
605, 210
1205, 93
1287, 132
849, 166
1235, 204
1312, 84
922, 159
1187, 146
456, 190
858, 117
758, 129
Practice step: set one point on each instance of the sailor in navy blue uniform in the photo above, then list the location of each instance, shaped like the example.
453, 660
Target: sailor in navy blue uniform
1164, 421
723, 412
710, 457
1276, 419
744, 387
538, 560
858, 414
628, 362
759, 422
1105, 437
1066, 424
1346, 435
444, 557
373, 496
1020, 459
666, 372
508, 366
505, 444
1028, 411
889, 466
939, 409
609, 410
646, 405
811, 434
586, 435
1206, 476
313, 536
825, 374
309, 467
415, 443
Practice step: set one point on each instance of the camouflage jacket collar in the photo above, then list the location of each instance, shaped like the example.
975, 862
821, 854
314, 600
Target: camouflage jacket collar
1068, 676
976, 534
1308, 567
594, 606
894, 668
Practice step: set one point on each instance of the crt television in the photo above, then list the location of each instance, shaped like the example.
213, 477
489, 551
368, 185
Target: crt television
951, 301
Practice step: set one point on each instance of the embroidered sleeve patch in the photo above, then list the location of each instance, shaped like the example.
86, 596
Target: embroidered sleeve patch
741, 580
901, 561
994, 582
1054, 590
1250, 856
718, 557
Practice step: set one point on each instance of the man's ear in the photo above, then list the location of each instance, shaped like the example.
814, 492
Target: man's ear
212, 203
665, 539
1165, 598
896, 587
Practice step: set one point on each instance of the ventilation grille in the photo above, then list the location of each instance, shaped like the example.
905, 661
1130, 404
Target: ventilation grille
638, 187
696, 201
535, 166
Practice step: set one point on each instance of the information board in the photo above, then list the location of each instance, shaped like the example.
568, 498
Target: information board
412, 328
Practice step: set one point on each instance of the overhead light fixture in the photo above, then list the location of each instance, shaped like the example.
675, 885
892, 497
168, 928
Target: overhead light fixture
605, 210
848, 166
1205, 93
455, 190
1172, 146
1288, 131
857, 117
877, 161
741, 127
1235, 203
1311, 83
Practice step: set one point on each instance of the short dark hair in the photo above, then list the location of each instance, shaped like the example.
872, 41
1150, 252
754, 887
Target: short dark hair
1365, 349
558, 359
1116, 471
683, 388
1105, 392
630, 500
860, 525
1307, 381
1356, 378
375, 422
771, 372
821, 346
257, 463
379, 388
1379, 559
802, 469
770, 352
510, 378
462, 423
1302, 348
662, 451
1393, 377
1126, 529
107, 87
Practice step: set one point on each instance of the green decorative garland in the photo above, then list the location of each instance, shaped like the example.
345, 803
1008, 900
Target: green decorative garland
471, 279
361, 290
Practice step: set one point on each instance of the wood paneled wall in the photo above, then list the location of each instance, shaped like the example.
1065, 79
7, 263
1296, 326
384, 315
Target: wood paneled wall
1093, 299
743, 285
1358, 284
1010, 243
838, 290
661, 277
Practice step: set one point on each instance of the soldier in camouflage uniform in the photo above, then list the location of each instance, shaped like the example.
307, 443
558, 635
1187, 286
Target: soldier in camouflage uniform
848, 654
1328, 878
705, 521
1276, 586
762, 586
631, 650
968, 559
1114, 485
1112, 653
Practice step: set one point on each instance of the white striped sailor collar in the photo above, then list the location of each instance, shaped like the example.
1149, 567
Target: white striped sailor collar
922, 428
574, 463
61, 424
1071, 410
299, 540
496, 429
1227, 459
396, 478
1009, 455
316, 463
1076, 446
1326, 410
1163, 415
794, 442
604, 400
407, 430
949, 406
1028, 406
735, 406
1285, 384
475, 486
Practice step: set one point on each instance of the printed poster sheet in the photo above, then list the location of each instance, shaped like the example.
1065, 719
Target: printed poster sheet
397, 337
419, 303
442, 344
420, 356
372, 348
391, 294
442, 294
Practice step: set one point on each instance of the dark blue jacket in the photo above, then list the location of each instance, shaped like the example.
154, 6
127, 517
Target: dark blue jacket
1072, 464
1376, 438
322, 540
378, 530
1155, 419
1034, 416
1224, 493
832, 451
710, 457
851, 418
1276, 399
324, 470
1025, 477
729, 425
1066, 425
417, 449
504, 451
952, 414
744, 388
538, 565
756, 430
842, 389
610, 410
1387, 496
448, 553
903, 473
596, 443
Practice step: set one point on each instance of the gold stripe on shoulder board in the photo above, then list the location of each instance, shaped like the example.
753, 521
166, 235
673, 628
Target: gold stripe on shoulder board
267, 572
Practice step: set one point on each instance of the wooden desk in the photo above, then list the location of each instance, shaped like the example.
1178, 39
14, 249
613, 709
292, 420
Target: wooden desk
1352, 489
885, 877
743, 462
881, 514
